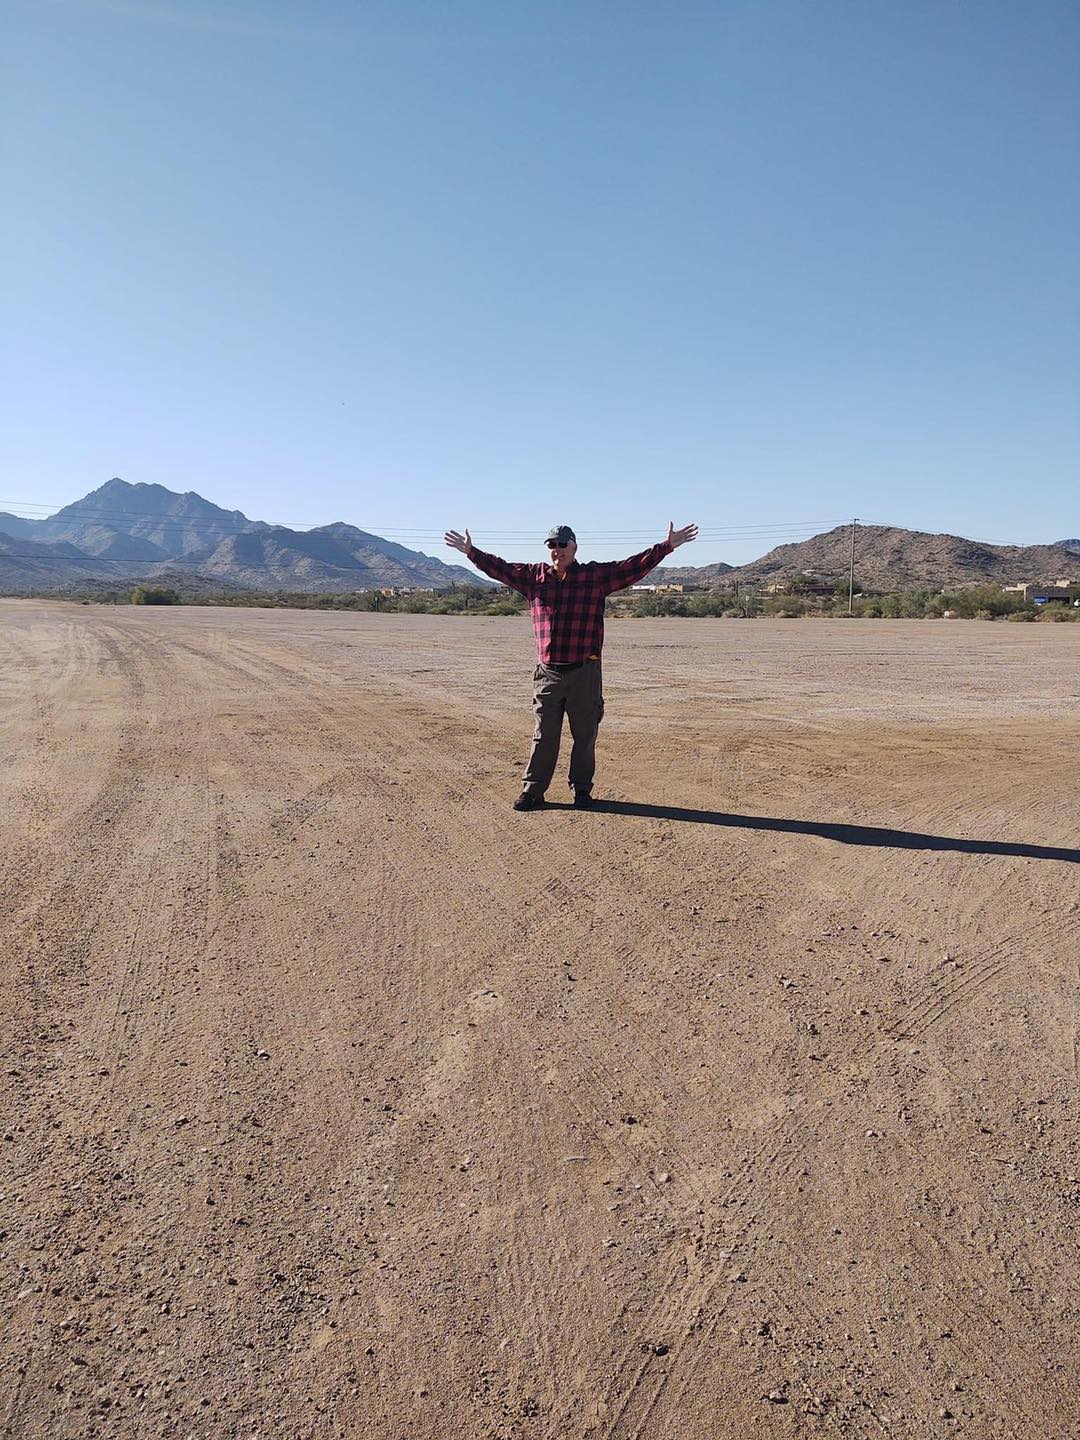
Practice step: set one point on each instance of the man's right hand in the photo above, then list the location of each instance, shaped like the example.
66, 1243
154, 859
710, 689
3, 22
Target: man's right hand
458, 542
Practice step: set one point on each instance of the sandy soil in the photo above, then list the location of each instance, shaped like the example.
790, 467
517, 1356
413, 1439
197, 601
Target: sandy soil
340, 1100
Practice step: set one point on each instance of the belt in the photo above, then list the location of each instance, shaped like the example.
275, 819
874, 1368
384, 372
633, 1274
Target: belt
564, 668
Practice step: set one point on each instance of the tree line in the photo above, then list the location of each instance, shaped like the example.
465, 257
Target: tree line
980, 602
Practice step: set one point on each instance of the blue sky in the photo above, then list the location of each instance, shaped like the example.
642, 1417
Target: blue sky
415, 265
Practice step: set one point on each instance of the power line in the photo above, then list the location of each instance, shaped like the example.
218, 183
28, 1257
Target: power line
185, 560
415, 534
765, 533
207, 524
483, 541
217, 534
95, 512
518, 541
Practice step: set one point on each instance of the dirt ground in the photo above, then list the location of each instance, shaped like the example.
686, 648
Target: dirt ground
341, 1100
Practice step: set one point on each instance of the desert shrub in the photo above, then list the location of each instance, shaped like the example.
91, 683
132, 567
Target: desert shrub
651, 605
468, 600
901, 606
982, 602
411, 604
354, 600
784, 607
154, 595
711, 603
504, 602
1057, 614
920, 604
1025, 616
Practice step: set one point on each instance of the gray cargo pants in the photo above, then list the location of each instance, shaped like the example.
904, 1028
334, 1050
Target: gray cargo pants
578, 693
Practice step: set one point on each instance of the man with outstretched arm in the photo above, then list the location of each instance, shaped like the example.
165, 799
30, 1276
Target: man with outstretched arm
567, 603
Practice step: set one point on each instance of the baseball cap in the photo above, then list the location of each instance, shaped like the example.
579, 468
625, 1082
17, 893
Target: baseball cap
562, 535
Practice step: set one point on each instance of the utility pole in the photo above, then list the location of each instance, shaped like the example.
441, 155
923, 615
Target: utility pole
851, 572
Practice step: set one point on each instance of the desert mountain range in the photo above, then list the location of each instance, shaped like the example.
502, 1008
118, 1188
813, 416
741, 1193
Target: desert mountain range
123, 533
889, 558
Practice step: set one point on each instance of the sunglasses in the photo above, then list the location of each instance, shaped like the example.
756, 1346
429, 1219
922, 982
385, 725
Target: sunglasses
554, 545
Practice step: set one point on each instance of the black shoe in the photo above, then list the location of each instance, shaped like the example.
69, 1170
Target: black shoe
582, 799
528, 801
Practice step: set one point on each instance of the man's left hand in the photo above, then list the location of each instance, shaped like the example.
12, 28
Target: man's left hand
675, 538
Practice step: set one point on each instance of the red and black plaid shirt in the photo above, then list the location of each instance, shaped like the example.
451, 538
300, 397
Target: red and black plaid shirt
568, 614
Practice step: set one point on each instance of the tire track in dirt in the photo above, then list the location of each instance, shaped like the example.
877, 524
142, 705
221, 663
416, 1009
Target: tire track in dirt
601, 1079
755, 1168
942, 995
153, 924
559, 899
27, 869
94, 844
633, 1415
557, 896
156, 928
791, 1153
286, 827
68, 882
578, 1027
169, 922
30, 860
922, 1012
604, 1080
556, 899
553, 898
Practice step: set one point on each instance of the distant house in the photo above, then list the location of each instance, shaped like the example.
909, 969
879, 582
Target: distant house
1060, 592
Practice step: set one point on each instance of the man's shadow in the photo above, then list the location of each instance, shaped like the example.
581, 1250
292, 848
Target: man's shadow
845, 834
